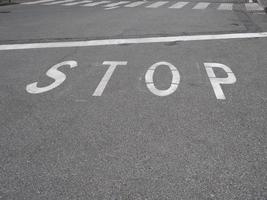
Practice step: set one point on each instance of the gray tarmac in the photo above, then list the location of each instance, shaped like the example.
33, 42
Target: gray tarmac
129, 144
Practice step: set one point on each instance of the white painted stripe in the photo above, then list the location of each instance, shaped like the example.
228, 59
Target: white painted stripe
110, 8
58, 2
157, 4
225, 6
179, 5
201, 6
76, 3
89, 43
135, 4
36, 2
96, 3
116, 4
253, 7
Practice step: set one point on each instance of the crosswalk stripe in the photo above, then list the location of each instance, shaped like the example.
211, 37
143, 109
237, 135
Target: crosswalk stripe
135, 4
128, 4
58, 2
36, 2
110, 8
253, 7
76, 3
115, 4
201, 6
225, 6
179, 5
95, 3
157, 4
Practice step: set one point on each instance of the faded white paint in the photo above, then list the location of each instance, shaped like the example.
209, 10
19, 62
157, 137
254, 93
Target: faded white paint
216, 82
150, 83
157, 4
53, 73
135, 4
179, 5
225, 6
77, 3
36, 2
253, 7
201, 6
95, 3
103, 83
115, 4
58, 2
110, 8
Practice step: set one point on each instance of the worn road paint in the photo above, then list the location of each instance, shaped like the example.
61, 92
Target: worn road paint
103, 83
216, 82
135, 4
201, 6
58, 2
225, 6
53, 73
36, 2
150, 83
157, 4
115, 4
110, 8
76, 3
96, 3
179, 5
88, 43
253, 7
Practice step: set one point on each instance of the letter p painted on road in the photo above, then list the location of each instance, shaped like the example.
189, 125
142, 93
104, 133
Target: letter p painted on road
215, 81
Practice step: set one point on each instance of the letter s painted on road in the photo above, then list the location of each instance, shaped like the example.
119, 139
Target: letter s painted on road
53, 73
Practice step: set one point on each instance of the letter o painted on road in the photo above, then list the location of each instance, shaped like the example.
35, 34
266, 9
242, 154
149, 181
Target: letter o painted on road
150, 83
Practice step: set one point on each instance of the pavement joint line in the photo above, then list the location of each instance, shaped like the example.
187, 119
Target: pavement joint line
107, 42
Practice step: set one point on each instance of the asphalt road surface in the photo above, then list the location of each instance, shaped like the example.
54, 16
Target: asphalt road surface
133, 100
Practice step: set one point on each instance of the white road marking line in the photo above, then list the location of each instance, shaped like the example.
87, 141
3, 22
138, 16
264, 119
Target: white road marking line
253, 7
225, 6
58, 2
115, 4
157, 4
76, 3
201, 6
91, 43
36, 2
179, 5
135, 4
96, 3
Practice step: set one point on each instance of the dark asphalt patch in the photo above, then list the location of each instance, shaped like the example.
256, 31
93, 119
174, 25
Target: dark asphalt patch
7, 4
